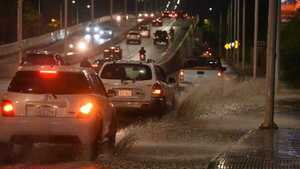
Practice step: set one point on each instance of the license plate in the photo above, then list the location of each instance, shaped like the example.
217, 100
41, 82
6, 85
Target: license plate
41, 111
125, 93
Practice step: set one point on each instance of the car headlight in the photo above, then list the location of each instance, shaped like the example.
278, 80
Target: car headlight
71, 46
152, 15
101, 32
88, 37
88, 29
96, 36
110, 32
96, 29
82, 46
140, 15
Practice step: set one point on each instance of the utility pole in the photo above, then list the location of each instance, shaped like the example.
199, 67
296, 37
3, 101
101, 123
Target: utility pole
277, 78
77, 15
268, 122
136, 7
92, 10
66, 27
125, 7
39, 6
111, 8
244, 36
220, 34
61, 16
238, 34
255, 40
19, 28
234, 29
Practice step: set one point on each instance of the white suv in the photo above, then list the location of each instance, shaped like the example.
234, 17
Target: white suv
57, 104
138, 85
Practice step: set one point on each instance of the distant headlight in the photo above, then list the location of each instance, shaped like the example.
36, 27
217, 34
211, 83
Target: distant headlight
71, 46
82, 46
140, 20
152, 15
110, 32
146, 15
96, 36
96, 29
88, 37
101, 32
140, 15
88, 29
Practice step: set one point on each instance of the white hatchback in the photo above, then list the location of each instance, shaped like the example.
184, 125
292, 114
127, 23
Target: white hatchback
138, 85
57, 104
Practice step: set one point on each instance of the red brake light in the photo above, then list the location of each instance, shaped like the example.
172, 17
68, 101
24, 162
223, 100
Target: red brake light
7, 109
48, 73
86, 110
157, 90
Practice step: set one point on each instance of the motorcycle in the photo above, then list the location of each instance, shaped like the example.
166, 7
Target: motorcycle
142, 57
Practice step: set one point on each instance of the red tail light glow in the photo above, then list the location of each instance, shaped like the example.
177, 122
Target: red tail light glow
157, 90
48, 72
7, 109
86, 110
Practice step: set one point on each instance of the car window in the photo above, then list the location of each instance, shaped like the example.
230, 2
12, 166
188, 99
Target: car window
97, 85
161, 76
40, 59
58, 83
203, 62
126, 72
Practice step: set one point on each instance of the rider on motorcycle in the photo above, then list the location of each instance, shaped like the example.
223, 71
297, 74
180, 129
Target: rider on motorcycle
172, 32
142, 53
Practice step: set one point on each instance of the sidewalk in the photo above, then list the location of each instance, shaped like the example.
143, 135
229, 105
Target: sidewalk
262, 149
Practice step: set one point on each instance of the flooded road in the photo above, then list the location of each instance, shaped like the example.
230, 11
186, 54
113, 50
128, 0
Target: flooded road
208, 119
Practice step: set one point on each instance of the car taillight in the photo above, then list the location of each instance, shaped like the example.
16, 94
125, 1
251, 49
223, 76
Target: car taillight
85, 110
157, 90
7, 109
48, 73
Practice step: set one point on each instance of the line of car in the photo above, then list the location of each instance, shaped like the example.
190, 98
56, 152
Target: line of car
48, 100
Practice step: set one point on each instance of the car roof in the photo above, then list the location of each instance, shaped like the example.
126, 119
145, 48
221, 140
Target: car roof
130, 62
55, 68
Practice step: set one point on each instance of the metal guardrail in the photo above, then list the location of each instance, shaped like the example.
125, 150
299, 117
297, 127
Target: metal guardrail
48, 38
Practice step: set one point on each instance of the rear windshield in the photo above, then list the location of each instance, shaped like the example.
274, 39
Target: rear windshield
59, 83
203, 62
126, 72
41, 59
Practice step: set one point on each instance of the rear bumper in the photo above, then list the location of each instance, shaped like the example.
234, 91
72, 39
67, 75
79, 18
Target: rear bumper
154, 103
48, 130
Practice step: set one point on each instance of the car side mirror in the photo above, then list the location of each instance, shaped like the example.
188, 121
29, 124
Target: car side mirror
111, 93
171, 80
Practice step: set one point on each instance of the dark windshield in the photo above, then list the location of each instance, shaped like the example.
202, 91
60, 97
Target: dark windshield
126, 72
203, 62
59, 83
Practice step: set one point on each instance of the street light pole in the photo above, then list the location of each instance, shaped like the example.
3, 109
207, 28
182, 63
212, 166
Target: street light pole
244, 36
255, 40
238, 33
19, 28
277, 78
268, 122
136, 7
125, 7
92, 10
111, 8
66, 26
61, 16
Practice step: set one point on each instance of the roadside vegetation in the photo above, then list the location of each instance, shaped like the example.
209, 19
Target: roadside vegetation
290, 52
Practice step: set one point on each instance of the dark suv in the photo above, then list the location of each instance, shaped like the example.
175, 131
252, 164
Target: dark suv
161, 36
